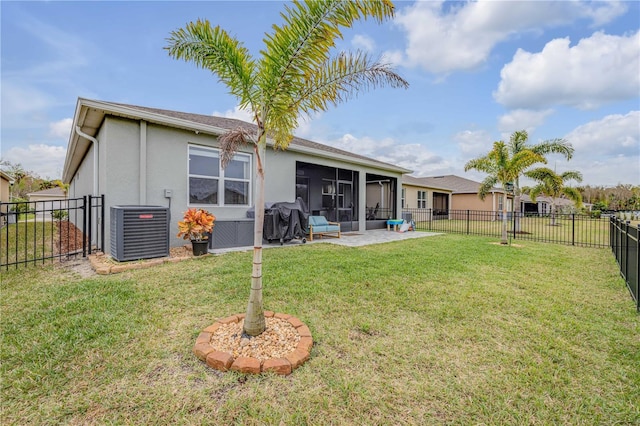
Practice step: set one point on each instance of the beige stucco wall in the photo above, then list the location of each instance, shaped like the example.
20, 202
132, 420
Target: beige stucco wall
4, 189
4, 198
473, 202
411, 195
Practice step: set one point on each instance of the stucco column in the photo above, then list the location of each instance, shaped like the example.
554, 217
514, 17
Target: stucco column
362, 201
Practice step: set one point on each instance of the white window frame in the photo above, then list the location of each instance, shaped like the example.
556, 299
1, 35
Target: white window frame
403, 194
422, 199
221, 178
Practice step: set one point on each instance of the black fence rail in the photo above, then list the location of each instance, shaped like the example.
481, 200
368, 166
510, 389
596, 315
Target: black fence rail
36, 231
571, 229
625, 248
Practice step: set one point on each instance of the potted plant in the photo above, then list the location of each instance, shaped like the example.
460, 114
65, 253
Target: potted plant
195, 226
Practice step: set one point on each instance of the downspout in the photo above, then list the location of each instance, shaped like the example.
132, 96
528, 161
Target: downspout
95, 158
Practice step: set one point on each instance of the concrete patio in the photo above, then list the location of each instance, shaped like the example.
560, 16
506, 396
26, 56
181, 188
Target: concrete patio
349, 239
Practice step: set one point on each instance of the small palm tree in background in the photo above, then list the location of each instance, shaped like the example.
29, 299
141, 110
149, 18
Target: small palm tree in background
294, 75
502, 168
553, 185
519, 142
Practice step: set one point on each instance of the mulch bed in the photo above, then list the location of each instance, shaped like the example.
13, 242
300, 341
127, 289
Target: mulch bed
68, 238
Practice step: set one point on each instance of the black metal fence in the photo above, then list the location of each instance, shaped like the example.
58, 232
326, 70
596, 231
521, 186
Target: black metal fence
36, 231
571, 229
625, 248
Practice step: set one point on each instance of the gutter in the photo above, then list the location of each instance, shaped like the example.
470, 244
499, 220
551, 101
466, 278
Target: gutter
95, 157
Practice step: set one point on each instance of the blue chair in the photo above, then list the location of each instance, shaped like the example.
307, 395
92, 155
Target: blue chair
318, 225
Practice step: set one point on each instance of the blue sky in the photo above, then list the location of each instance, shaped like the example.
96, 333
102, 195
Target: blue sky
477, 72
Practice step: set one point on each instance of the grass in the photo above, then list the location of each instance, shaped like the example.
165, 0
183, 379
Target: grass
441, 330
24, 241
582, 232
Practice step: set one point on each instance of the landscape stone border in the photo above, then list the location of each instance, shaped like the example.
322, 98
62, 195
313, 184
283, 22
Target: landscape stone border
224, 361
102, 268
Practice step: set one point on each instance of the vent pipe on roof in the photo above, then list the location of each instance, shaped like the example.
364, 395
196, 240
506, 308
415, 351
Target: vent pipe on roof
95, 158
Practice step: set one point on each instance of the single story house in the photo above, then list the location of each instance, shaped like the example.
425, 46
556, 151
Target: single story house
5, 194
44, 202
464, 196
143, 156
422, 193
542, 206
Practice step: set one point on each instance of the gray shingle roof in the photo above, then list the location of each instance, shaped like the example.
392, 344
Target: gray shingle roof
455, 183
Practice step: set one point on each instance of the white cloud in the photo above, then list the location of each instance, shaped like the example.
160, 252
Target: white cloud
237, 113
46, 161
607, 151
599, 69
60, 129
613, 135
473, 143
363, 42
444, 37
415, 157
520, 119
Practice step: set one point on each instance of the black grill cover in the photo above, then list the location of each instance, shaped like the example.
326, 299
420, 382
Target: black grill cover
286, 221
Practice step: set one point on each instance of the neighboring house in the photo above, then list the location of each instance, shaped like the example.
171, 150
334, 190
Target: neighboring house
423, 193
542, 206
465, 194
5, 195
146, 156
46, 201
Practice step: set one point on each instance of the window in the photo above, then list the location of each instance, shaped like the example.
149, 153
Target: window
402, 195
422, 199
500, 202
207, 180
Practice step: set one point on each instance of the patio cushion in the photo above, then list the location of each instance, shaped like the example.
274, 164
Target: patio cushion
319, 225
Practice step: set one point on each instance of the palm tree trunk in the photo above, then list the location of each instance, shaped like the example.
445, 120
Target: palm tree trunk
254, 322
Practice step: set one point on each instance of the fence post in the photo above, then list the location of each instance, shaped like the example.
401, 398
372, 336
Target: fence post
84, 226
467, 222
102, 223
638, 269
573, 229
90, 220
626, 251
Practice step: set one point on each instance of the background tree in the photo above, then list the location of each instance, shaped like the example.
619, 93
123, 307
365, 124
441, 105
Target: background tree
518, 142
294, 75
553, 185
24, 181
502, 167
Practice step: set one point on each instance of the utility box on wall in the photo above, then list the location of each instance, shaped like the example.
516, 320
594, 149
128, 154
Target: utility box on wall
139, 232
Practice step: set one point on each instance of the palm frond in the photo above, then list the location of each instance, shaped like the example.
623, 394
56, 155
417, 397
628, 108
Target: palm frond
554, 146
215, 50
231, 141
302, 45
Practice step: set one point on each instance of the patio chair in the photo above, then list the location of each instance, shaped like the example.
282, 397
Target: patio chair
318, 225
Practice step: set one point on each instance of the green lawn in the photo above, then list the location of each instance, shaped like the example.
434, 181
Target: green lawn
442, 330
24, 241
582, 231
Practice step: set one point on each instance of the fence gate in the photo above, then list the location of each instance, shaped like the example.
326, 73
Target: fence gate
38, 231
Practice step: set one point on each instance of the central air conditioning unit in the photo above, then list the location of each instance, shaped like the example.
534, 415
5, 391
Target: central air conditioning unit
139, 232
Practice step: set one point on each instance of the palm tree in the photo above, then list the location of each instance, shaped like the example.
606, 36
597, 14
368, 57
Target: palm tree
502, 168
553, 186
294, 75
517, 143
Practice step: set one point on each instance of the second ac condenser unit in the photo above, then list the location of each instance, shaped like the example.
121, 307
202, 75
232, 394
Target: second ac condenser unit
139, 232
